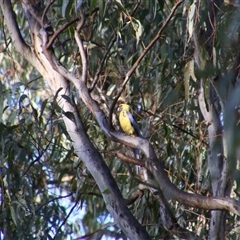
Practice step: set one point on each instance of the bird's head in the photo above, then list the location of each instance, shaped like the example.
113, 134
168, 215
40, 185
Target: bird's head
123, 106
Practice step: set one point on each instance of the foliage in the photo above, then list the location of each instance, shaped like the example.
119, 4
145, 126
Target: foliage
44, 184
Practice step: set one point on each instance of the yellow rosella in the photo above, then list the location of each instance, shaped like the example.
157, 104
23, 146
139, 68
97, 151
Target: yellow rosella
129, 126
127, 120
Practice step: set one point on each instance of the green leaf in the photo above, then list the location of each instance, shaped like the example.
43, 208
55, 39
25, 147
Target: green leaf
106, 191
191, 18
44, 103
102, 8
186, 80
93, 4
68, 99
70, 116
16, 85
35, 112
66, 8
13, 215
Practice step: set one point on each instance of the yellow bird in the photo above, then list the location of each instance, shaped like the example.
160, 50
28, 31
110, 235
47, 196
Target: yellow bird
127, 120
129, 125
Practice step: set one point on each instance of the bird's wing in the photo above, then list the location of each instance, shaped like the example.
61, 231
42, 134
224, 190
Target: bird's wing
138, 134
134, 124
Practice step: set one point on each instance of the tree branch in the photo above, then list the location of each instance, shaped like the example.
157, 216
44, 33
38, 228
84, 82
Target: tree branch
81, 48
59, 31
45, 11
14, 31
131, 160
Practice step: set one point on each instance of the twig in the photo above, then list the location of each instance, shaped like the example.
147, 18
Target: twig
7, 43
36, 160
65, 219
81, 23
135, 8
135, 65
81, 48
137, 195
130, 160
59, 31
45, 11
51, 200
66, 25
96, 77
